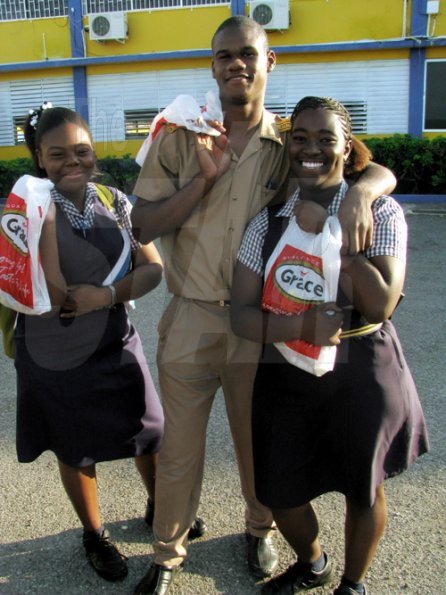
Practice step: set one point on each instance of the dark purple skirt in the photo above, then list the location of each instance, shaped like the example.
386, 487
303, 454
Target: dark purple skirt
346, 431
86, 406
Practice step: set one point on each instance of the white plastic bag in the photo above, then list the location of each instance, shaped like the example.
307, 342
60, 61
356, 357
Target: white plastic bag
22, 280
184, 111
302, 272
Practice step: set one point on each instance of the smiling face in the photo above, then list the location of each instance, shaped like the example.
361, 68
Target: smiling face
66, 153
241, 62
318, 149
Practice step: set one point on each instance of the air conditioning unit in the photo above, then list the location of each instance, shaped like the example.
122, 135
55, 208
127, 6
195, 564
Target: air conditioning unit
108, 25
273, 15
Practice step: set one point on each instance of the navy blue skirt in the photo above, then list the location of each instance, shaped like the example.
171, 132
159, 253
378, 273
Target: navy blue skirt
88, 403
346, 431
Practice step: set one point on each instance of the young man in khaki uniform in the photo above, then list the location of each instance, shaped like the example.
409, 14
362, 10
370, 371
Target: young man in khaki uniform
198, 193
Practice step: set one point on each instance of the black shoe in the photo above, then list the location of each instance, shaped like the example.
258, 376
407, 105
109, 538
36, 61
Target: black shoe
297, 579
105, 557
344, 590
157, 581
198, 527
262, 555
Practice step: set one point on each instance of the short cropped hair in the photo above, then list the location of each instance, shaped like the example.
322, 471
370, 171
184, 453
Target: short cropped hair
239, 22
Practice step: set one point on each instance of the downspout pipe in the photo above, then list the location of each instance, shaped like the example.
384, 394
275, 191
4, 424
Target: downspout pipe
78, 51
417, 65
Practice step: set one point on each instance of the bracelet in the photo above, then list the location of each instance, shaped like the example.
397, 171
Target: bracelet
113, 295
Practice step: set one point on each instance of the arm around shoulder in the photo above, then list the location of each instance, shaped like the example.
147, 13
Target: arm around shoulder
355, 212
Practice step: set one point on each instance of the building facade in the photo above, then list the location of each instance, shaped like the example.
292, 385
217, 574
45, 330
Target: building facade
119, 62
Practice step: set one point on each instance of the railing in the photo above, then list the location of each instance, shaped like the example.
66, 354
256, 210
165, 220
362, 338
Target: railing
95, 6
19, 10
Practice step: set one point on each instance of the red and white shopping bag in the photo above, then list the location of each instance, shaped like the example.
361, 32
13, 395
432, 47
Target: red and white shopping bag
22, 281
184, 111
302, 272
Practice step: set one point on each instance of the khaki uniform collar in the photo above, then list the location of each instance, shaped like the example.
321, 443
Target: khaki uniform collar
269, 127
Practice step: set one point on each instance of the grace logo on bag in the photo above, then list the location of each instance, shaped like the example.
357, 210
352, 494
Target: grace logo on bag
301, 273
300, 282
15, 265
22, 279
13, 226
295, 284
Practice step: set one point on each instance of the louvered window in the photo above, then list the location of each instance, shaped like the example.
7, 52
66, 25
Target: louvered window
19, 129
137, 122
357, 111
19, 96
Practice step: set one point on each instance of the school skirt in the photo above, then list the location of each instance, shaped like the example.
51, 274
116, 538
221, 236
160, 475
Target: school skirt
345, 431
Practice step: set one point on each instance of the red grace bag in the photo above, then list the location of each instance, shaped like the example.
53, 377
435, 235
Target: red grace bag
303, 271
22, 281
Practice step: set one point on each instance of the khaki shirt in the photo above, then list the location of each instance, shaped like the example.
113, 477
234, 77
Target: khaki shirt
200, 256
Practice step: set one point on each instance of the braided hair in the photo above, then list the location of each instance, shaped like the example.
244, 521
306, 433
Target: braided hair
360, 155
42, 120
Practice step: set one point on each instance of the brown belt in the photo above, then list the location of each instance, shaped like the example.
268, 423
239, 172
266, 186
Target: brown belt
220, 303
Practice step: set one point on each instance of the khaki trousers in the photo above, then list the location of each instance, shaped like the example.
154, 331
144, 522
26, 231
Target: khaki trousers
197, 354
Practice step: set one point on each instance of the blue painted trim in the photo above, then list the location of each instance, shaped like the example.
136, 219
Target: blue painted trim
76, 28
354, 46
81, 91
237, 7
78, 51
73, 62
418, 27
417, 64
418, 20
206, 53
419, 198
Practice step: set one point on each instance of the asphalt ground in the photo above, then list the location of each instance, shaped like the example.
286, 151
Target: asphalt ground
40, 537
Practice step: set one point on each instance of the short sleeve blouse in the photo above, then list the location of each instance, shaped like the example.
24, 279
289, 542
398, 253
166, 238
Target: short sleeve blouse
389, 229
